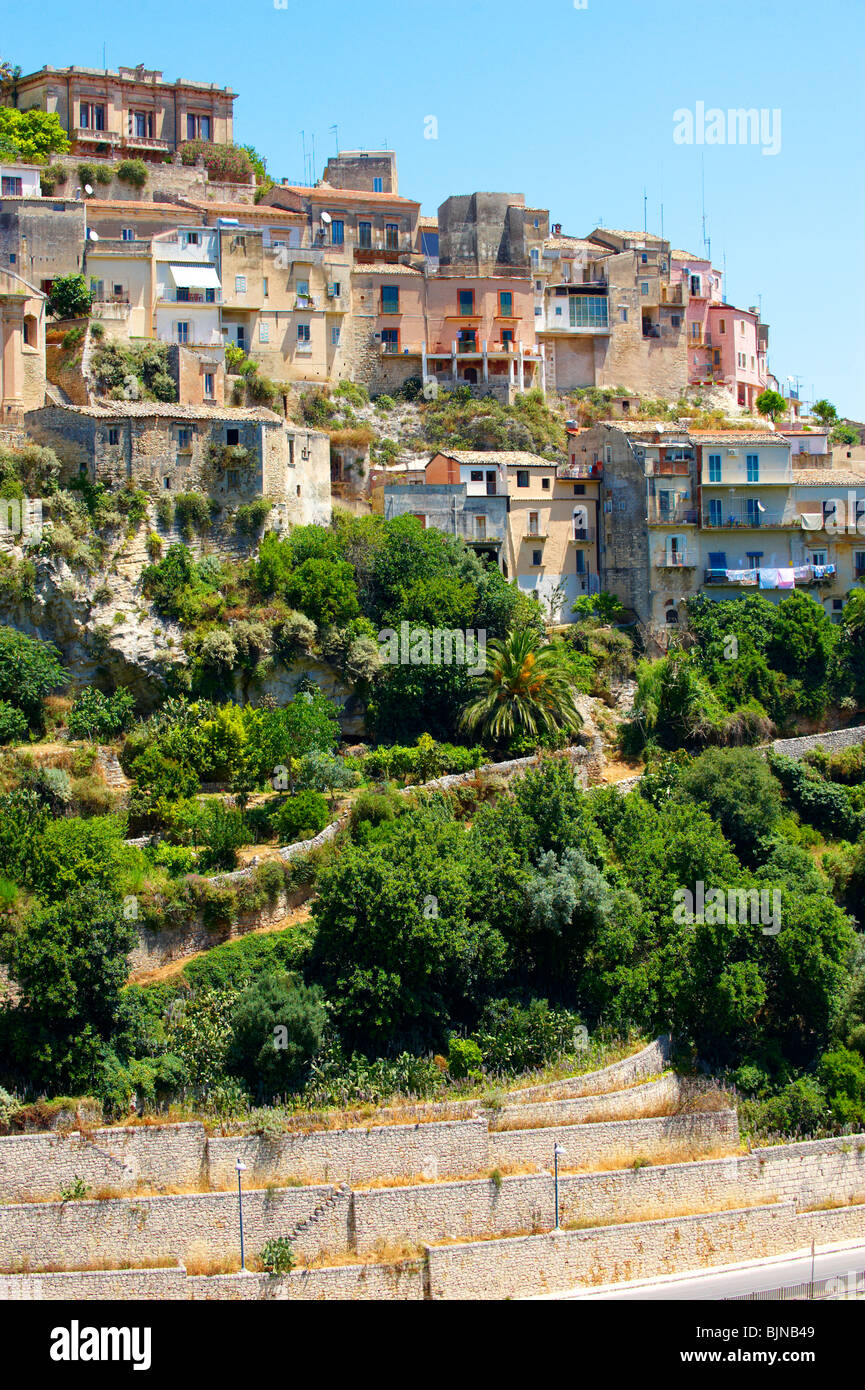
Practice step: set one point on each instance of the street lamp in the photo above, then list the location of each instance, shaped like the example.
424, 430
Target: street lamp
241, 1168
557, 1152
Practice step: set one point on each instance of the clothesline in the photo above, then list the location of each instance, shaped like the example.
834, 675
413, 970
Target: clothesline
777, 577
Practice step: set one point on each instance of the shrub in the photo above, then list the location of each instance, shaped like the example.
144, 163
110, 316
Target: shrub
133, 172
278, 1256
192, 512
94, 715
301, 817
277, 1027
224, 163
375, 806
13, 723
249, 519
224, 831
464, 1059
69, 297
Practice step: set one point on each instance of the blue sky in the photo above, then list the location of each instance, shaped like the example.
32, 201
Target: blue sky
571, 106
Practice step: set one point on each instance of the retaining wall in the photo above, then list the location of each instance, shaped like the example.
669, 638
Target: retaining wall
665, 1090
640, 1065
39, 1165
831, 741
619, 1140
196, 1226
443, 1148
339, 1282
155, 948
607, 1254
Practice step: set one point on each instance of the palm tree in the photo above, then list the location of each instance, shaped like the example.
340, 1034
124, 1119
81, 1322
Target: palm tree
525, 689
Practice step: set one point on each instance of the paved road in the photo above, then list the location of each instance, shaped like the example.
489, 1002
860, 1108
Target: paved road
727, 1283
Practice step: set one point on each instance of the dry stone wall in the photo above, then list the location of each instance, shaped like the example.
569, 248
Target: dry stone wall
184, 1227
666, 1090
638, 1067
41, 1165
617, 1140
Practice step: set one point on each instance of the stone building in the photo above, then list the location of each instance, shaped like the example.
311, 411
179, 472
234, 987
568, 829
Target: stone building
133, 111
42, 238
22, 348
233, 456
373, 171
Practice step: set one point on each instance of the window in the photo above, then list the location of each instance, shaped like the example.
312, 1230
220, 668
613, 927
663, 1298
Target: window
127, 233
12, 187
588, 310
675, 320
303, 289
535, 255
141, 124
752, 511
545, 484
579, 489
390, 299
364, 234
859, 563
476, 475
722, 325
506, 304
182, 332
197, 127
465, 303
334, 335
391, 236
752, 465
209, 386
754, 558
240, 284
714, 468
714, 511
184, 437
817, 557
92, 116
166, 483
508, 339
303, 332
522, 477
695, 285
191, 239
644, 259
623, 315
337, 232
644, 287
534, 529
717, 559
335, 290
377, 186
113, 436
537, 557
390, 339
264, 287
481, 527
233, 478
264, 331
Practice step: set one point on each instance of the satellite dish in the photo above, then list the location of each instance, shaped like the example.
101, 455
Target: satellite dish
94, 236
326, 218
88, 190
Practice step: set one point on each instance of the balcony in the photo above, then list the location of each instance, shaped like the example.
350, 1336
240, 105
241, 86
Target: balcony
582, 535
671, 468
193, 298
683, 513
401, 350
581, 470
195, 339
733, 515
675, 559
537, 536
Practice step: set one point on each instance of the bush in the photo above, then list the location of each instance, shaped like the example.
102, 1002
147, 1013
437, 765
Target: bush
224, 163
13, 723
738, 789
94, 715
249, 519
192, 512
464, 1059
822, 804
375, 806
278, 1256
133, 172
224, 831
301, 817
69, 297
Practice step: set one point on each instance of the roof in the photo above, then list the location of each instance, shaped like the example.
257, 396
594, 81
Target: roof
383, 268
169, 411
737, 437
689, 256
817, 477
645, 426
328, 193
29, 292
124, 205
511, 458
576, 243
259, 212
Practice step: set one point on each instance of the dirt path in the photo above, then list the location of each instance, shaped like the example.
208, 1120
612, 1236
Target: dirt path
174, 967
619, 771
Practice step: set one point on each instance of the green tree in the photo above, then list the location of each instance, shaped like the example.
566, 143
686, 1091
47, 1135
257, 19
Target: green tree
29, 670
96, 715
323, 589
277, 1027
70, 965
69, 297
32, 136
77, 851
825, 412
737, 788
525, 690
771, 404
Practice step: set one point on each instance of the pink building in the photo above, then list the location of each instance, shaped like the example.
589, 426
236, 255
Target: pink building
726, 346
481, 329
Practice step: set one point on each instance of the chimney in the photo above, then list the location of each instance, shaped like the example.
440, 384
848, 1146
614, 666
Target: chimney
557, 229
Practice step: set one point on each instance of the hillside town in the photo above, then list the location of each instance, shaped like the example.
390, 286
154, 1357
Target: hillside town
432, 740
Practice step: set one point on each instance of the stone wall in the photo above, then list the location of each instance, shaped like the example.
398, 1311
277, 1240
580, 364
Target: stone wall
404, 1280
186, 1227
615, 1141
635, 1099
832, 741
563, 1260
39, 1165
443, 1148
151, 1285
155, 948
648, 1062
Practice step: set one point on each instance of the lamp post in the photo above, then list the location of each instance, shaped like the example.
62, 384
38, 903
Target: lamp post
557, 1152
241, 1168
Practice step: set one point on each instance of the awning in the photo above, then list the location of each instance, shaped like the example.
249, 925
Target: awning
195, 277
